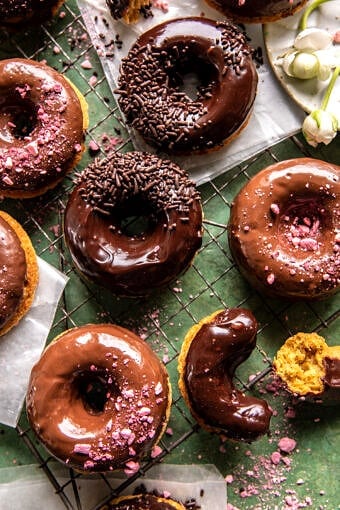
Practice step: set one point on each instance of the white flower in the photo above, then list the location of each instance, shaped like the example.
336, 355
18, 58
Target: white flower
320, 126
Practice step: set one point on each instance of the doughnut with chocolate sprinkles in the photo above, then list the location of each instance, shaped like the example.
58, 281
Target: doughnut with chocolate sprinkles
153, 97
140, 185
42, 122
143, 502
15, 13
257, 11
284, 229
99, 398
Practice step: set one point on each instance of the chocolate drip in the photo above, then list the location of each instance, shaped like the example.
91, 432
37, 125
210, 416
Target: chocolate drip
216, 350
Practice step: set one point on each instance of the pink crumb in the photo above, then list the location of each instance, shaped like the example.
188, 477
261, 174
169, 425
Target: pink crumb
86, 64
156, 451
286, 444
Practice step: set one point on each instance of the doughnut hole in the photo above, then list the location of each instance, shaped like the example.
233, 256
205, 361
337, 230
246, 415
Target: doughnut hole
94, 389
303, 223
299, 363
18, 118
191, 74
136, 219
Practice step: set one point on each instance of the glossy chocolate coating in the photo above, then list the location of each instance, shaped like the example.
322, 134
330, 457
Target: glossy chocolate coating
134, 411
127, 265
142, 502
151, 79
215, 352
284, 229
257, 11
34, 94
20, 11
12, 272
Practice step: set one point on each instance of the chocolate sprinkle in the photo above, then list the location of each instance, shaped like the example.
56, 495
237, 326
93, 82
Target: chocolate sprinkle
110, 182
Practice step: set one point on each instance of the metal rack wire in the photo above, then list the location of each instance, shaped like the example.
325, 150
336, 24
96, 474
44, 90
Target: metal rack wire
213, 280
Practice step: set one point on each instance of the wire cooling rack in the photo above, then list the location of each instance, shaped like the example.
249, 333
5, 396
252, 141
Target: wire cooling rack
213, 282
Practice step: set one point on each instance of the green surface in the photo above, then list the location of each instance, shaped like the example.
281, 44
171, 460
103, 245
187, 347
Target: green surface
211, 283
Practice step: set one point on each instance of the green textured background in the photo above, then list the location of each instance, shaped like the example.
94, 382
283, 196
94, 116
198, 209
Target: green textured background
313, 476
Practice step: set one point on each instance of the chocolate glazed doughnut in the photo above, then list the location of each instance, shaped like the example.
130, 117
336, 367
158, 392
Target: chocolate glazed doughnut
98, 398
257, 11
41, 127
143, 502
151, 83
122, 186
284, 229
211, 352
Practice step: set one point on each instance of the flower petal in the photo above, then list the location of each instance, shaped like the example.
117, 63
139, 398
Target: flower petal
313, 39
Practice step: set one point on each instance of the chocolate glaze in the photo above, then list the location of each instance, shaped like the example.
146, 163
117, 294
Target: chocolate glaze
21, 11
36, 96
152, 76
215, 352
134, 411
12, 272
142, 502
284, 229
332, 375
257, 11
127, 265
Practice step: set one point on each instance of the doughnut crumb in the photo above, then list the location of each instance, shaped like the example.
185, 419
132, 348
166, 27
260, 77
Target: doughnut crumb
300, 363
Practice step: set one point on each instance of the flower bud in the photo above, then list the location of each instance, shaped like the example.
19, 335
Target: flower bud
320, 126
305, 66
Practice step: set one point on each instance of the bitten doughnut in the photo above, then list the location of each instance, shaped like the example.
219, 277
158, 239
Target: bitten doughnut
143, 502
309, 367
153, 97
257, 11
128, 185
42, 120
99, 398
284, 229
129, 10
210, 354
19, 272
20, 12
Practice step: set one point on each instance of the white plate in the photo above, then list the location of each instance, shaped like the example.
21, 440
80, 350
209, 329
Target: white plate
279, 37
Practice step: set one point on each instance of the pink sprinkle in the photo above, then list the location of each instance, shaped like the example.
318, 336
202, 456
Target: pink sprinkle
126, 433
166, 494
158, 388
229, 479
9, 163
144, 411
275, 458
82, 448
156, 451
131, 468
286, 444
169, 431
271, 278
89, 464
336, 37
7, 180
56, 50
86, 64
93, 368
78, 147
275, 208
93, 146
93, 80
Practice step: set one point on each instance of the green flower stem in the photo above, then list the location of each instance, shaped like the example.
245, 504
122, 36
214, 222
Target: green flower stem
308, 11
329, 89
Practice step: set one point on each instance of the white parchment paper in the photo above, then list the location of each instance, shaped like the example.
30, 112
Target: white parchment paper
21, 347
28, 487
275, 115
